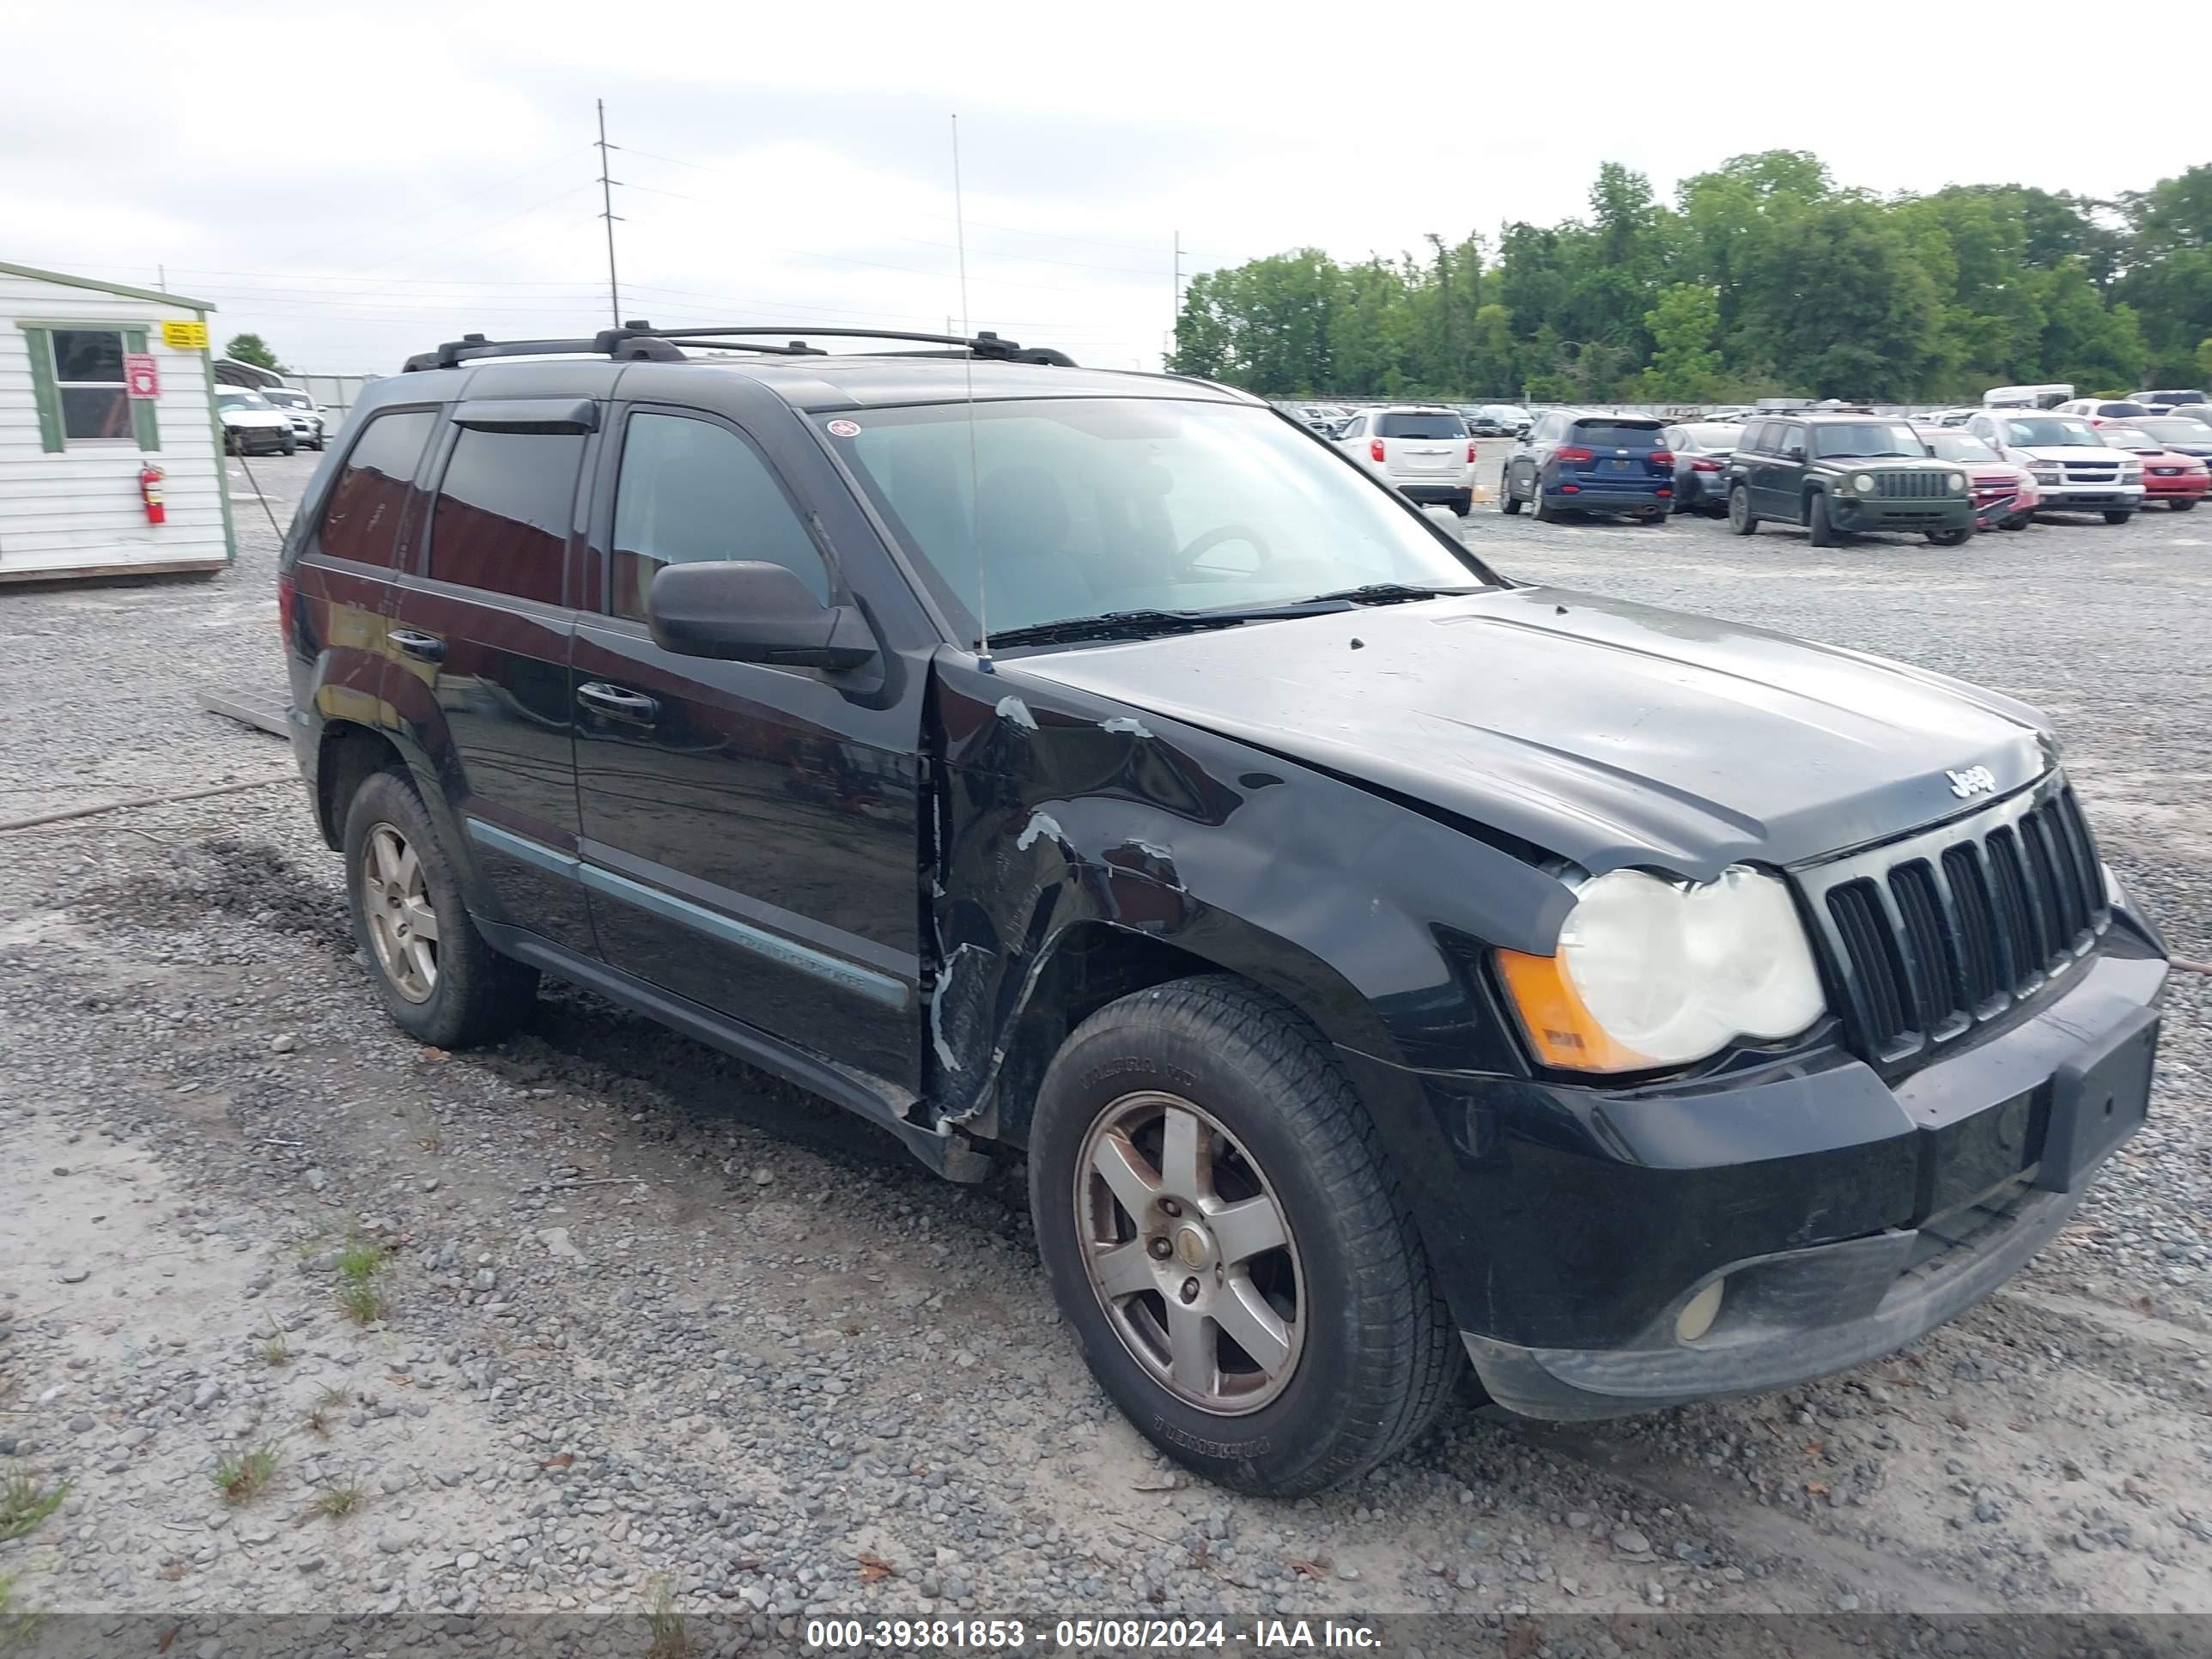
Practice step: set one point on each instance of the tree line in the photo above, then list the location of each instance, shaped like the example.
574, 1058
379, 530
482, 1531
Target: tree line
1763, 279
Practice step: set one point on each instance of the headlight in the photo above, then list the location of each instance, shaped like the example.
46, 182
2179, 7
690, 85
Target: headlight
2131, 473
1655, 973
1863, 483
1957, 481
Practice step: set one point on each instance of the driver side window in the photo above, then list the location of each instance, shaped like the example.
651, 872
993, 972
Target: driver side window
690, 491
1355, 427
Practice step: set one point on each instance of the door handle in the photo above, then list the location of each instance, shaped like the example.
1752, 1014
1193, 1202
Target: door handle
617, 704
423, 648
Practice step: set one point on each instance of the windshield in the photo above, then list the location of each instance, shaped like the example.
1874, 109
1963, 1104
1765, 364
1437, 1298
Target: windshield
2177, 432
1076, 506
2120, 411
1960, 446
1507, 412
2051, 429
289, 399
1421, 426
1867, 438
2121, 438
241, 400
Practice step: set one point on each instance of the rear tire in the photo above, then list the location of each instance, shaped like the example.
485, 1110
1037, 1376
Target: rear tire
2120, 515
460, 993
1544, 512
1507, 501
1741, 519
1371, 1354
1823, 533
1463, 503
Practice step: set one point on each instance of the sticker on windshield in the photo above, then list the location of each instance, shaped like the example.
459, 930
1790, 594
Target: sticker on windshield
844, 429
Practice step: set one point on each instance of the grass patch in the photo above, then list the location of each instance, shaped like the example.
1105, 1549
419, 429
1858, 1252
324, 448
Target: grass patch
240, 1478
24, 1503
338, 1502
361, 1264
667, 1625
360, 1302
361, 1259
276, 1351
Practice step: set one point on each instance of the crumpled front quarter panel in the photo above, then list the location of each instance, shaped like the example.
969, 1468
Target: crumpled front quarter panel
1057, 808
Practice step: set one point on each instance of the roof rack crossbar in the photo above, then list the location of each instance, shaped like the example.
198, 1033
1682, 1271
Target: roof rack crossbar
640, 340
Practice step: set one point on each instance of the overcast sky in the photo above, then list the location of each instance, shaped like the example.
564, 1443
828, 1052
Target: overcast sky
357, 182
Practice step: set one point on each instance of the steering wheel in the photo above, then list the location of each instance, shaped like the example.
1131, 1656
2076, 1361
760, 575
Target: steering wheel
1220, 533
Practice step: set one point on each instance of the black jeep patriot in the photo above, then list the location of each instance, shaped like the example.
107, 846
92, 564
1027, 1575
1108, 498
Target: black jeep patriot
1380, 962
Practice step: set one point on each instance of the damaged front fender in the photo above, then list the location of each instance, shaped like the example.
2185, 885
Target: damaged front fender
1057, 813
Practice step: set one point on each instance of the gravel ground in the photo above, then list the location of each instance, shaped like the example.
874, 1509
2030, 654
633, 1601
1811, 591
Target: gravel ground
644, 1325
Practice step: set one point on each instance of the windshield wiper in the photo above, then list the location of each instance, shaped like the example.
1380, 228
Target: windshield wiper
1382, 594
1117, 625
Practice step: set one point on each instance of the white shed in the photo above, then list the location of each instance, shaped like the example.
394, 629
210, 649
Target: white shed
99, 382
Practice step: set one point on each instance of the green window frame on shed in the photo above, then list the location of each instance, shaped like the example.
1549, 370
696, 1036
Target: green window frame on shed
66, 359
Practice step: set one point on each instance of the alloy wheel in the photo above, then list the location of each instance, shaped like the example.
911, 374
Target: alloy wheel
395, 900
1190, 1253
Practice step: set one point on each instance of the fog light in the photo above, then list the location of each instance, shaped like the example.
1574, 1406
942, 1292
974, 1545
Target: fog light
1698, 1313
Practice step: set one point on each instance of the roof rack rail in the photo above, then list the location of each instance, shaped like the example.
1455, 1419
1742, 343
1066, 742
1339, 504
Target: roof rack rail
641, 341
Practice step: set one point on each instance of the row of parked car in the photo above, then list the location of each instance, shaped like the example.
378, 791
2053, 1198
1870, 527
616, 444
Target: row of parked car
1483, 419
1832, 470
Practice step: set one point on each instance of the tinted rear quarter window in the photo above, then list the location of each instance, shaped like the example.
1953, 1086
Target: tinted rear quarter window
502, 519
1421, 426
360, 520
692, 492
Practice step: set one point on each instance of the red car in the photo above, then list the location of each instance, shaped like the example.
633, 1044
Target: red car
1999, 487
2169, 475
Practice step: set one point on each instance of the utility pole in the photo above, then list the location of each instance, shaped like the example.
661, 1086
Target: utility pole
162, 277
607, 213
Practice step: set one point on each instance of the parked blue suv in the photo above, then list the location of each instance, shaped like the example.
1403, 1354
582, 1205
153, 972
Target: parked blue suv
1582, 462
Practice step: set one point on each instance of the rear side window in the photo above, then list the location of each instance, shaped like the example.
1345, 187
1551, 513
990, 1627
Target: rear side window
362, 519
1419, 426
691, 492
1355, 427
502, 520
1619, 435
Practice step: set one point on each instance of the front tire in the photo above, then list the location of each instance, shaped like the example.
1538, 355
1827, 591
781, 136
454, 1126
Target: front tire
1222, 1231
1507, 501
436, 977
2184, 503
1823, 534
1951, 537
2120, 515
1741, 519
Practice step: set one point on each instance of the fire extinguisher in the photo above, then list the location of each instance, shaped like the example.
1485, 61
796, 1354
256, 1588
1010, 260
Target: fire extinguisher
149, 491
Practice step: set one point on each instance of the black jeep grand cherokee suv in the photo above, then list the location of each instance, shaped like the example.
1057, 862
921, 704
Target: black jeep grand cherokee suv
1376, 958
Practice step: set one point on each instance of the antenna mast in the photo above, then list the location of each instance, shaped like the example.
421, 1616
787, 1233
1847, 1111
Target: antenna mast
967, 368
607, 213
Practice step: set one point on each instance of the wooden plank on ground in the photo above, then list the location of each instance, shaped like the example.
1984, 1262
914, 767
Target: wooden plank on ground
249, 705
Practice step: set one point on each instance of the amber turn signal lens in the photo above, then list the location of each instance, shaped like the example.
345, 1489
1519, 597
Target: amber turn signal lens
1560, 1028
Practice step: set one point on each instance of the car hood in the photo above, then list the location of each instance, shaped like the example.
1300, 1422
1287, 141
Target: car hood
1608, 732
254, 417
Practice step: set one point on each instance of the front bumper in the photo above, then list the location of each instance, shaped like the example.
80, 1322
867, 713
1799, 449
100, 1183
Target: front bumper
2088, 498
2187, 487
1877, 513
1846, 1214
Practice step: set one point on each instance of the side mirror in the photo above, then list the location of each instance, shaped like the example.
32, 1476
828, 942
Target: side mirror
748, 611
1794, 452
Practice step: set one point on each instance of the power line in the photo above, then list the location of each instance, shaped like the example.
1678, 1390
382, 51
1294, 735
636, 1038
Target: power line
412, 218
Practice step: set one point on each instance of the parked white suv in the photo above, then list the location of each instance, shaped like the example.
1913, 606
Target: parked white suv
1425, 453
2074, 468
2104, 408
